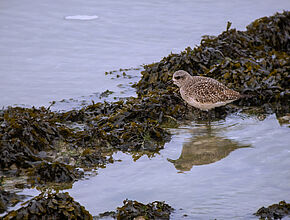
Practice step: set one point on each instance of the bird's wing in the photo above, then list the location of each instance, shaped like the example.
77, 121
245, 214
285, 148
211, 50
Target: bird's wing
211, 92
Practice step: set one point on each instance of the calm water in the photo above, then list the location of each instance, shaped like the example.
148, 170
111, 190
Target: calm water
45, 57
59, 50
226, 172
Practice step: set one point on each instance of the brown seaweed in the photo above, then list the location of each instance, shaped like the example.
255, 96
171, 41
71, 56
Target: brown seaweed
255, 61
275, 211
50, 206
136, 210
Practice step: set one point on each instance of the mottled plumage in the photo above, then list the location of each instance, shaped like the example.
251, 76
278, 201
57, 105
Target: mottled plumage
203, 92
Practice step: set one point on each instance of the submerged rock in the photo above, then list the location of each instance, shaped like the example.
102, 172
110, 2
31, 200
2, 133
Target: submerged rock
275, 211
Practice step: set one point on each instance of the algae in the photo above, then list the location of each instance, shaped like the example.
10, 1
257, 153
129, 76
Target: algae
50, 206
136, 210
255, 62
275, 211
8, 199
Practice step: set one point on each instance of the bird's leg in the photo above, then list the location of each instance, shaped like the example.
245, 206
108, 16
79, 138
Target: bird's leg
209, 116
186, 109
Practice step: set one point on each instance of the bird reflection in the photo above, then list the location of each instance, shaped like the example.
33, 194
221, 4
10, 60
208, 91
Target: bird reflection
204, 149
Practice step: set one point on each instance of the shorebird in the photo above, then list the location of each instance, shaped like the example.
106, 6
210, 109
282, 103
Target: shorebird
202, 92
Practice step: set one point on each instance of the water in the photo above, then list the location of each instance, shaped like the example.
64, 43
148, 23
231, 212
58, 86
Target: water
45, 57
244, 168
61, 50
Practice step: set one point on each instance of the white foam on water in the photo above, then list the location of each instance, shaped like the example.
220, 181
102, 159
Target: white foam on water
81, 17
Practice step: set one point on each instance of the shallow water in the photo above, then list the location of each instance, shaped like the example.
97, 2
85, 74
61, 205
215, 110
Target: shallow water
227, 171
45, 57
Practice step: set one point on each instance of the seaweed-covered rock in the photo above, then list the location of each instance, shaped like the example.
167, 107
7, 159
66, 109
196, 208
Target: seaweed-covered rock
136, 210
36, 138
32, 126
13, 152
128, 125
50, 206
54, 172
274, 31
23, 133
7, 199
255, 61
90, 158
131, 125
275, 211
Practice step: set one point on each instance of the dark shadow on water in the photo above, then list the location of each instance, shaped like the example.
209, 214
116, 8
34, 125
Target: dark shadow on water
204, 148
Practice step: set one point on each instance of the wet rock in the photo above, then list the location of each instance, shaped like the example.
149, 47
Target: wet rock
275, 211
50, 206
136, 210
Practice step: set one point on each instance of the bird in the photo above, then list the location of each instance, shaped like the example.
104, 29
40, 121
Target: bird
202, 92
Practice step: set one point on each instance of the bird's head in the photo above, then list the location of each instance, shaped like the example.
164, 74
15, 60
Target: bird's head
180, 77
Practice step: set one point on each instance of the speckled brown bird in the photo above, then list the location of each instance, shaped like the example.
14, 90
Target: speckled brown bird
203, 92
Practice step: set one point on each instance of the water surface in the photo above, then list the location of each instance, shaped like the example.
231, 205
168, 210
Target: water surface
240, 168
45, 57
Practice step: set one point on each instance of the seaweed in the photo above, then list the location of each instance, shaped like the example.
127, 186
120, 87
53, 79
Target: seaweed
37, 143
7, 199
50, 206
54, 172
255, 62
136, 210
23, 133
275, 211
131, 125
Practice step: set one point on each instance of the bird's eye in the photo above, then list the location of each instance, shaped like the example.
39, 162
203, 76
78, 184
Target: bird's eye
177, 77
